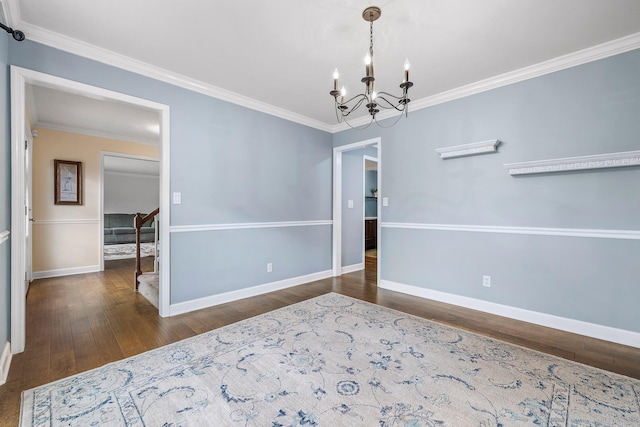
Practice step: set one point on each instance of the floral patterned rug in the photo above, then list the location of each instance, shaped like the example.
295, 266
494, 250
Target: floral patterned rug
337, 361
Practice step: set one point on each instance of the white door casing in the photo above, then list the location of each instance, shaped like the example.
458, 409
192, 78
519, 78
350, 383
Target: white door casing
20, 77
337, 200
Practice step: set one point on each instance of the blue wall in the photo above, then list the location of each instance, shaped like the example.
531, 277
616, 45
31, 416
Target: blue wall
589, 109
232, 165
5, 194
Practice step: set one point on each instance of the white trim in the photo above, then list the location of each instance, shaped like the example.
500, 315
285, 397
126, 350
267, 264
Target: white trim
474, 148
337, 199
606, 333
132, 174
18, 225
540, 231
66, 272
77, 47
4, 236
213, 300
584, 56
95, 133
5, 362
66, 221
245, 225
568, 164
353, 267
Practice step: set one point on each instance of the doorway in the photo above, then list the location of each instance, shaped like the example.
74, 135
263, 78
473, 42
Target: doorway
20, 79
343, 205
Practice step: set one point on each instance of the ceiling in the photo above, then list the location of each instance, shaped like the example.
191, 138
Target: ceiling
280, 54
55, 109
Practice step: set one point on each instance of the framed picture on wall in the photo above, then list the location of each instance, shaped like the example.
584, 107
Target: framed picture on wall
68, 182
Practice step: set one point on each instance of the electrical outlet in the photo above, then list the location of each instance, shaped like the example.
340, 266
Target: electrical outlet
269, 267
486, 281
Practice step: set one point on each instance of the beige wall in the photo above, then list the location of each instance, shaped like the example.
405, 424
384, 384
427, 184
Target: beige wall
66, 238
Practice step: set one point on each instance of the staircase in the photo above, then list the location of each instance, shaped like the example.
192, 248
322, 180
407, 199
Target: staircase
147, 284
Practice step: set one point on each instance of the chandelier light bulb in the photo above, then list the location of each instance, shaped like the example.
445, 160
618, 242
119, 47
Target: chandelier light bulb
343, 93
367, 59
335, 79
406, 69
373, 95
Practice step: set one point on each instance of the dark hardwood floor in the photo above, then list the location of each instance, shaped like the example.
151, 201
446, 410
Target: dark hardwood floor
77, 323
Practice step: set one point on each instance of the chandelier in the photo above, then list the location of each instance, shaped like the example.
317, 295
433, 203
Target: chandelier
372, 100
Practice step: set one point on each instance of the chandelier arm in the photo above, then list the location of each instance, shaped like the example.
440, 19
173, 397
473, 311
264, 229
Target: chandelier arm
399, 106
391, 125
359, 128
348, 111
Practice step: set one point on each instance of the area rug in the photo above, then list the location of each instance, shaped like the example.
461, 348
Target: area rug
337, 361
127, 250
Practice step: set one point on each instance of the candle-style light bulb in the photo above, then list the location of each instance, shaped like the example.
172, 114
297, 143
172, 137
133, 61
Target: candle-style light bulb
343, 92
373, 95
406, 69
367, 63
335, 79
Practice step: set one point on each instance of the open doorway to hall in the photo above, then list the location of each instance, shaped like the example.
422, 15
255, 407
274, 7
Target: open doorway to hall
357, 209
370, 180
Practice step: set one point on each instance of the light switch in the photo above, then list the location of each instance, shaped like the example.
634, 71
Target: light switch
350, 204
385, 201
177, 198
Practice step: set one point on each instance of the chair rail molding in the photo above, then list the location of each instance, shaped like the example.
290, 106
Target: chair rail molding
482, 147
568, 164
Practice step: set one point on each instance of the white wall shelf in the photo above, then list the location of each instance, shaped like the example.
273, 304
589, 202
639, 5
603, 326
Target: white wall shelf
568, 164
472, 149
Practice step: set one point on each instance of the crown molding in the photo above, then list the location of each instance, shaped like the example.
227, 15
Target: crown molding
570, 164
474, 148
95, 133
11, 12
77, 47
590, 54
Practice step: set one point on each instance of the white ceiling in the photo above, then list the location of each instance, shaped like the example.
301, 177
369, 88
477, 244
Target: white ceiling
281, 53
55, 109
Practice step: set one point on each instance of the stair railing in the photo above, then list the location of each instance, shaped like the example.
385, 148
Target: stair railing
138, 221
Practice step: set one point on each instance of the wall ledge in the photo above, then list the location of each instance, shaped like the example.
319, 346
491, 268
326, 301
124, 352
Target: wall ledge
569, 164
601, 332
483, 147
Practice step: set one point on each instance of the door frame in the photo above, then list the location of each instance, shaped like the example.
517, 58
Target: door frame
20, 77
337, 200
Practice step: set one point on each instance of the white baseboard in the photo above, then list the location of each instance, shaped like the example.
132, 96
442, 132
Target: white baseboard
5, 362
607, 333
213, 300
351, 268
66, 271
